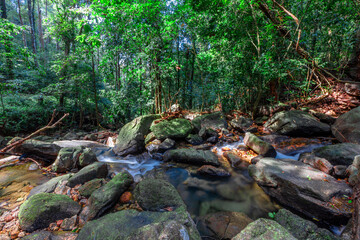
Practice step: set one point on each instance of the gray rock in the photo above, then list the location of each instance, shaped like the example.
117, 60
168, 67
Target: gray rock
264, 229
353, 89
209, 170
71, 136
296, 123
132, 135
259, 146
176, 128
157, 194
44, 208
194, 139
222, 225
106, 197
192, 156
95, 170
338, 154
323, 117
214, 120
89, 187
87, 157
67, 159
167, 144
302, 187
50, 185
301, 228
316, 162
241, 123
347, 127
131, 224
42, 149
149, 138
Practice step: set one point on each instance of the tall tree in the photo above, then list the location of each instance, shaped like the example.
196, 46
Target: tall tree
8, 47
31, 14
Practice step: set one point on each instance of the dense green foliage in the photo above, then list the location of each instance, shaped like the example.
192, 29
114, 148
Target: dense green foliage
107, 61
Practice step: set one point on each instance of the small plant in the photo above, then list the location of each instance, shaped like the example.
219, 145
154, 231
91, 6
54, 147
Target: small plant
272, 215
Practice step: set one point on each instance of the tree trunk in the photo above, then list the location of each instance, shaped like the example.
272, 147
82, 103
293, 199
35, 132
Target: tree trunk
353, 69
31, 5
192, 74
9, 62
41, 35
94, 89
22, 24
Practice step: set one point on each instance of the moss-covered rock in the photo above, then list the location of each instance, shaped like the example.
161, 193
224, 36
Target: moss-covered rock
50, 185
132, 135
192, 156
66, 159
44, 208
296, 123
259, 146
89, 187
301, 228
214, 120
95, 170
106, 197
156, 194
338, 154
73, 157
264, 229
128, 224
176, 128
347, 127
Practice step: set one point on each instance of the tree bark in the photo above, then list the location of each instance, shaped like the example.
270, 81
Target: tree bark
353, 69
94, 89
31, 5
41, 35
9, 62
22, 24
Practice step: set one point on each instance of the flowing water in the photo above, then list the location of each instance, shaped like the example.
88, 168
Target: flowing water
201, 194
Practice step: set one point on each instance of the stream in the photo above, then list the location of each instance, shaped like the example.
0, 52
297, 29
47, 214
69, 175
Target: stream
203, 195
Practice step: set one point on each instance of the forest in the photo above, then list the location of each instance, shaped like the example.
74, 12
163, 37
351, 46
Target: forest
106, 62
180, 119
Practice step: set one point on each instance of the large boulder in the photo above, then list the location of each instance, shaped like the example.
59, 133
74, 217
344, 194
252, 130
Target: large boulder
66, 159
301, 228
176, 128
50, 185
264, 229
132, 135
296, 123
338, 154
73, 157
241, 123
306, 189
222, 225
157, 194
214, 120
44, 208
347, 127
259, 146
192, 156
42, 149
95, 170
134, 225
106, 197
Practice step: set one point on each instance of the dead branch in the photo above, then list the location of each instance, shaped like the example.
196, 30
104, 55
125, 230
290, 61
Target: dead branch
48, 126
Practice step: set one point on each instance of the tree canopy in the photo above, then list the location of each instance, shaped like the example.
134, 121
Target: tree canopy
106, 62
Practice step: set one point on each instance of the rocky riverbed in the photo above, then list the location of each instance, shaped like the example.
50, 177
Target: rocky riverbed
204, 177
